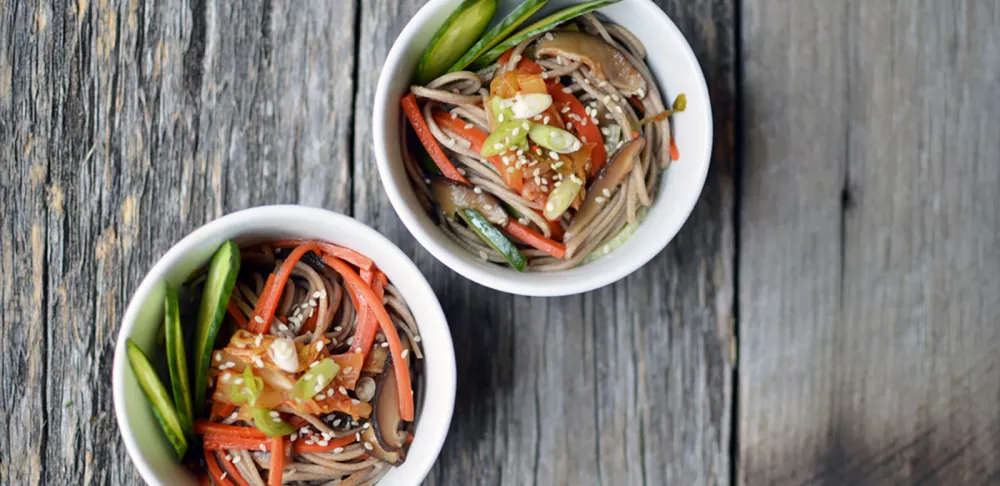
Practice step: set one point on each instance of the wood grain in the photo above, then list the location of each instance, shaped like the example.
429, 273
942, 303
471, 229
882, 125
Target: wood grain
868, 336
630, 384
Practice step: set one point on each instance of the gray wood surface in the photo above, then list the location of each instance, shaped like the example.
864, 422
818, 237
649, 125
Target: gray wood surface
854, 252
869, 298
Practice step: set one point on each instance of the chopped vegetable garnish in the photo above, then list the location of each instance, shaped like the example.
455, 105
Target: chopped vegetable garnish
499, 32
316, 379
219, 284
459, 32
270, 423
507, 135
158, 397
555, 139
494, 238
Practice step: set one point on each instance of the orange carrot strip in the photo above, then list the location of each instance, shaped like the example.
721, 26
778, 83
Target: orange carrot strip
589, 131
214, 471
237, 315
409, 103
346, 254
277, 463
535, 239
524, 64
220, 410
368, 298
674, 153
264, 312
232, 471
300, 447
219, 442
204, 427
364, 337
477, 138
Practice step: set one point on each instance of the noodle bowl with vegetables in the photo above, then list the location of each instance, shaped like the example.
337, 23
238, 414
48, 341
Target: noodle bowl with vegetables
303, 366
541, 149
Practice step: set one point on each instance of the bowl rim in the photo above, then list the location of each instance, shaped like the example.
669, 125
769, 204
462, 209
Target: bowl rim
446, 374
504, 279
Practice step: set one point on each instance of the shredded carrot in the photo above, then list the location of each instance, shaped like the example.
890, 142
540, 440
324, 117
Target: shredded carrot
369, 299
214, 471
232, 471
524, 64
237, 315
589, 131
277, 463
674, 153
217, 442
220, 410
301, 447
477, 138
266, 305
535, 239
346, 254
409, 103
204, 427
364, 337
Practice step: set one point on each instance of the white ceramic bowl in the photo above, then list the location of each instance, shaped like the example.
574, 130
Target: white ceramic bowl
146, 444
673, 64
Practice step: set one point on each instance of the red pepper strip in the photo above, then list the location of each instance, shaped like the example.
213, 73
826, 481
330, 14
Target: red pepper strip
214, 471
264, 312
300, 446
277, 463
409, 103
477, 138
237, 315
368, 298
589, 131
346, 254
204, 427
535, 239
524, 64
220, 410
364, 337
221, 442
674, 153
232, 471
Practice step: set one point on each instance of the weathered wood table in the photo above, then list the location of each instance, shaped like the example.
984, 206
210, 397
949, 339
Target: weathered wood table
830, 314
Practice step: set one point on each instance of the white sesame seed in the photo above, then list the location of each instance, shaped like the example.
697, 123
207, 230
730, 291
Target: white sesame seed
416, 339
336, 422
274, 414
567, 90
549, 207
313, 364
565, 109
350, 340
367, 424
483, 255
258, 319
468, 126
263, 448
237, 459
259, 339
319, 346
606, 192
321, 396
338, 328
598, 199
510, 169
553, 156
324, 443
282, 327
355, 401
218, 356
225, 473
342, 390
293, 437
368, 446
234, 416
238, 381
310, 442
546, 119
338, 450
615, 97
404, 354
305, 430
569, 126
454, 116
276, 420
526, 126
385, 345
609, 116
477, 190
226, 377
584, 139
500, 118
516, 131
229, 457
357, 436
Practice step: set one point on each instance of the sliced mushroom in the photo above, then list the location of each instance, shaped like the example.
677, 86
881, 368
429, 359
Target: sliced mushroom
395, 457
375, 362
452, 197
386, 421
365, 389
608, 179
604, 60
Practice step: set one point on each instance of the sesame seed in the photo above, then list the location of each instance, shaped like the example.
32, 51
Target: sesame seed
567, 90
385, 345
500, 118
545, 75
319, 346
237, 459
321, 396
368, 446
404, 354
569, 126
313, 364
338, 328
615, 97
454, 116
609, 116
565, 109
312, 303
310, 442
226, 377
282, 327
350, 340
598, 199
234, 416
483, 255
263, 448
357, 436
238, 381
477, 190
468, 126
218, 356
584, 139
229, 457
367, 424
274, 414
416, 339
324, 443
606, 192
348, 369
225, 473
304, 430
342, 390
293, 437
258, 319
549, 207
336, 422
553, 156
546, 119
526, 126
276, 420
355, 401
338, 450
510, 169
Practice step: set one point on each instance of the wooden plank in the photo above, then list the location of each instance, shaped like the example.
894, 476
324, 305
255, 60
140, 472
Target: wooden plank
625, 385
130, 124
869, 331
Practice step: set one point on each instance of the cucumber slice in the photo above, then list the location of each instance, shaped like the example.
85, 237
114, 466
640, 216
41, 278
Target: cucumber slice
500, 32
458, 33
315, 380
177, 361
494, 238
214, 299
623, 235
158, 397
544, 25
269, 422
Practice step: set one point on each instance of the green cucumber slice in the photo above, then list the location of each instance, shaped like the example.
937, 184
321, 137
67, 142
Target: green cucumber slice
454, 38
493, 237
623, 235
177, 361
158, 397
214, 299
544, 25
315, 380
499, 32
270, 423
